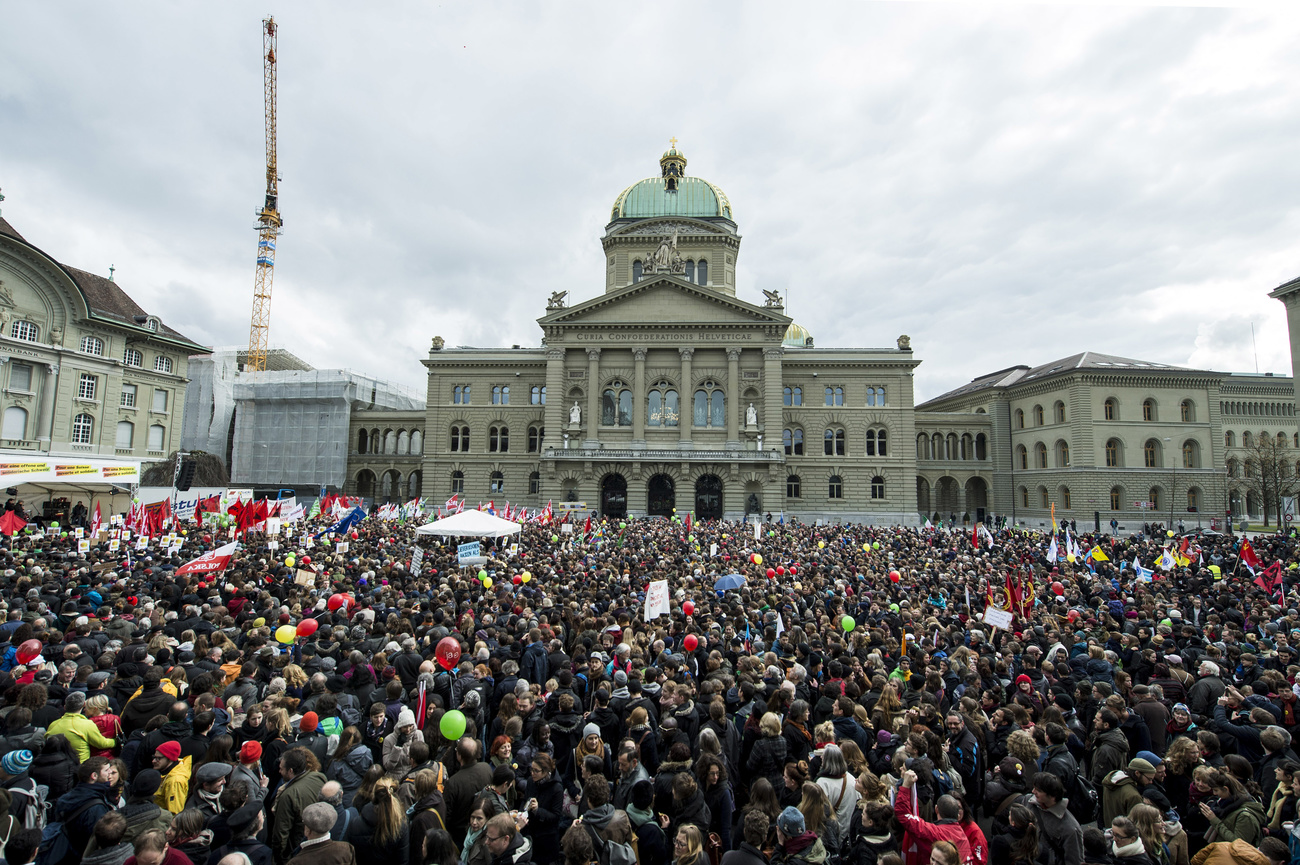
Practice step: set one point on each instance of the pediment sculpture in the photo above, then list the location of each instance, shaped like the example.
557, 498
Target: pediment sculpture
665, 258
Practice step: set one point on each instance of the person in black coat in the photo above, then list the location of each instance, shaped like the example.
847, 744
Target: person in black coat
56, 767
768, 758
750, 851
544, 795
382, 835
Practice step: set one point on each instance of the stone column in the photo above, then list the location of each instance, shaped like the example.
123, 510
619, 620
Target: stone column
733, 399
593, 397
687, 400
773, 397
638, 397
45, 430
556, 414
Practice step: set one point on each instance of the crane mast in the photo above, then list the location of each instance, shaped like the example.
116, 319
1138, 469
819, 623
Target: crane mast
268, 220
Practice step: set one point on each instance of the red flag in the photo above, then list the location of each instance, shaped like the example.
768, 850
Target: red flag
210, 562
688, 524
1248, 557
97, 523
155, 517
975, 536
11, 523
1270, 577
586, 530
421, 707
1013, 596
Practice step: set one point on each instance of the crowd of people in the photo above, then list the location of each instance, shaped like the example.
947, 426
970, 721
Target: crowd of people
844, 702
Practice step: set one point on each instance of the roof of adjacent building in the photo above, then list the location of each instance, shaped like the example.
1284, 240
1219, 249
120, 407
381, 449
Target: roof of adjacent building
1085, 360
105, 297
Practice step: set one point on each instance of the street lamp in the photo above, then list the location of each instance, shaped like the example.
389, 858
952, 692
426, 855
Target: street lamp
1173, 484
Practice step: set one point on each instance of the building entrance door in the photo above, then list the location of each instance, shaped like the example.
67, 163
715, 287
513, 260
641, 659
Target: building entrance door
661, 496
613, 496
708, 498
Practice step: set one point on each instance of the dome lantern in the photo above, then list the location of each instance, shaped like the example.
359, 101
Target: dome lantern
672, 165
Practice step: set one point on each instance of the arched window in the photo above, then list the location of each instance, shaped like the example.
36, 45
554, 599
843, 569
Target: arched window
871, 443
496, 483
834, 396
15, 424
833, 443
460, 394
361, 441
460, 438
792, 487
1020, 418
1043, 500
793, 441
1111, 409
1247, 440
836, 487
417, 442
1115, 498
537, 395
376, 442
132, 357
1113, 454
457, 483
1187, 411
1038, 415
83, 429
981, 447
966, 443
950, 445
701, 409
25, 330
535, 436
403, 442
1234, 468
1024, 497
1193, 500
125, 435
702, 272
1151, 454
1062, 455
609, 407
1229, 440
792, 396
157, 437
92, 345
922, 447
1065, 498
534, 483
1281, 440
936, 447
1148, 409
390, 442
1022, 456
161, 363
498, 439
1191, 454
636, 270
1154, 498
690, 270
501, 394
1040, 456
877, 487
1058, 412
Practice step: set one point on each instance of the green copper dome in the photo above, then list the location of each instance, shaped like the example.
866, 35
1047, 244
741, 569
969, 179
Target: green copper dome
672, 194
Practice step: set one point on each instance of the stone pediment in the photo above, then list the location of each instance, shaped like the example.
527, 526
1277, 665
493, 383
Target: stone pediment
662, 300
665, 227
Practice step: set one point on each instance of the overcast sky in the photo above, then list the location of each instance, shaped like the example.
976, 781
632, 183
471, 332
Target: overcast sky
1005, 183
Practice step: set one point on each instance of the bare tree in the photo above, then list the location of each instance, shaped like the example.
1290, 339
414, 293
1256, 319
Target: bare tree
210, 471
1269, 472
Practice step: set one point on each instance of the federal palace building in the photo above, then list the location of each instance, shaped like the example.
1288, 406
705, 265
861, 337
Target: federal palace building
671, 390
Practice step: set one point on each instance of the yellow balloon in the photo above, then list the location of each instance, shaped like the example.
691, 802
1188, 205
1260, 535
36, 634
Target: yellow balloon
286, 633
758, 560
487, 582
1070, 558
1170, 533
290, 561
526, 577
866, 547
821, 544
798, 587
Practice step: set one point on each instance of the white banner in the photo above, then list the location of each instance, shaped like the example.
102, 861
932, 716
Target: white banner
998, 618
21, 468
656, 600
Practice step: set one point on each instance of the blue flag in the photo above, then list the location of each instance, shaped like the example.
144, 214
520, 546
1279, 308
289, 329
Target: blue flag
350, 519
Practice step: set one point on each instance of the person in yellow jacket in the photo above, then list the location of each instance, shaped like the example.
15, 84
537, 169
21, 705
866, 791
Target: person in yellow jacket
175, 770
81, 732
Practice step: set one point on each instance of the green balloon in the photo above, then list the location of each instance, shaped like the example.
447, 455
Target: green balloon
54, 524
63, 534
771, 534
848, 624
875, 545
622, 525
555, 539
452, 725
482, 575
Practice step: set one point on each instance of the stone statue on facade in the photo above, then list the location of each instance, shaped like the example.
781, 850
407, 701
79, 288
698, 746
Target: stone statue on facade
575, 414
751, 416
773, 299
666, 258
904, 343
557, 300
6, 295
438, 343
56, 335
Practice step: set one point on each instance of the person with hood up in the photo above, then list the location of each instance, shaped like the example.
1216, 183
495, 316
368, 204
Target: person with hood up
175, 772
919, 835
349, 762
1123, 788
397, 745
794, 842
566, 731
80, 809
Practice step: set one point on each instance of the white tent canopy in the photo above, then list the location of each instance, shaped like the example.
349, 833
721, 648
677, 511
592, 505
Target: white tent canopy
476, 524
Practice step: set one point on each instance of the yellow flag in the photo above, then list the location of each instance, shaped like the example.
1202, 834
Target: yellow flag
1097, 554
1053, 516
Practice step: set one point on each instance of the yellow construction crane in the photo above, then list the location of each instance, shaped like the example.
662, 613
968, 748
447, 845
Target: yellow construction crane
268, 221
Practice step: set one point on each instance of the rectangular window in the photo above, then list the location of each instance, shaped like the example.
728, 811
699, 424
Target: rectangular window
125, 435
157, 437
160, 400
128, 396
86, 386
20, 377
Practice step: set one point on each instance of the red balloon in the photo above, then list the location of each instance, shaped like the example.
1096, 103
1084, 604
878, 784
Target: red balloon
337, 601
1073, 615
207, 539
690, 642
447, 652
771, 574
356, 535
895, 576
516, 579
29, 650
793, 570
1057, 588
307, 627
780, 569
688, 607
306, 560
726, 558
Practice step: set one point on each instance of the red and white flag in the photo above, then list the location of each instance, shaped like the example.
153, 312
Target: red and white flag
97, 523
211, 562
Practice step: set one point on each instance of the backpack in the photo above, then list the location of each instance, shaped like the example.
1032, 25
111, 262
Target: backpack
1083, 799
56, 847
350, 714
38, 809
611, 852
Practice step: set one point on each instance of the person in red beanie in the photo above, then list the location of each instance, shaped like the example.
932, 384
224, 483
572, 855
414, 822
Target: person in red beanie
175, 770
1028, 697
248, 771
311, 737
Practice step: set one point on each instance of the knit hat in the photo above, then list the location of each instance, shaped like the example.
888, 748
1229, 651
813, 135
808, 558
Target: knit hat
620, 677
642, 795
1011, 768
145, 784
406, 718
590, 730
170, 750
242, 818
1137, 764
251, 752
309, 722
1182, 706
1022, 679
16, 762
884, 738
1150, 758
791, 822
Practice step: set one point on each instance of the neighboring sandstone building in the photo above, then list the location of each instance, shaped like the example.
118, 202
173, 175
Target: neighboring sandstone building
85, 370
670, 390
